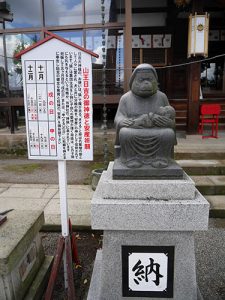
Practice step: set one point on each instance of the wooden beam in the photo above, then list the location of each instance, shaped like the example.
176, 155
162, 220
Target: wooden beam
143, 10
197, 6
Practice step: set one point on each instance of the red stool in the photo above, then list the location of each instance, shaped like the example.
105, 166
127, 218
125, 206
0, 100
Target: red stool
209, 114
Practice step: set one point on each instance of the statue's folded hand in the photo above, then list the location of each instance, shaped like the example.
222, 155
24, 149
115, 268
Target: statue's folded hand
126, 123
162, 121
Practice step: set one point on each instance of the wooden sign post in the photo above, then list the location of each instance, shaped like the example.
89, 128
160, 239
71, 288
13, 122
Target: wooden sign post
57, 82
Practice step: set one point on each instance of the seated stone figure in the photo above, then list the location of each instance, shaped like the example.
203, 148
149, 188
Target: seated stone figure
145, 122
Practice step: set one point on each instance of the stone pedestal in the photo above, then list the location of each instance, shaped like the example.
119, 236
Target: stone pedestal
158, 216
21, 253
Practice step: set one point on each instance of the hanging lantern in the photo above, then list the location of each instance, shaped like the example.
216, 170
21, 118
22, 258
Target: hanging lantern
198, 35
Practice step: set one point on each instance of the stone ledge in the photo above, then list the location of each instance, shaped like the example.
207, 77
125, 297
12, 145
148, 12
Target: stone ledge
130, 214
176, 189
40, 282
16, 234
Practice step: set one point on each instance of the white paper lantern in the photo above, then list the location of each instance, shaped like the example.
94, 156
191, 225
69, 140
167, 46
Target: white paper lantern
198, 35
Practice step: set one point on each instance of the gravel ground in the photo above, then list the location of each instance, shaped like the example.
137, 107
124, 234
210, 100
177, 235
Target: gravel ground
87, 244
210, 260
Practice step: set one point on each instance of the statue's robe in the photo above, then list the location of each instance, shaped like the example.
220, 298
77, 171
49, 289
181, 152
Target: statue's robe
143, 144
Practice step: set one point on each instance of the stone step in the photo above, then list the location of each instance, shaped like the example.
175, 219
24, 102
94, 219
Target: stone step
217, 205
194, 147
210, 185
203, 167
199, 154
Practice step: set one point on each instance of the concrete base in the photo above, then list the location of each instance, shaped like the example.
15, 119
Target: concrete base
95, 285
121, 171
21, 252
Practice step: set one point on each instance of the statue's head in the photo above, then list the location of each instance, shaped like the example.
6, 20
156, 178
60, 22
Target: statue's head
144, 81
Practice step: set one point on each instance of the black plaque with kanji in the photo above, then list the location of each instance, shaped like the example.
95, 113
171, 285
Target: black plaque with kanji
147, 271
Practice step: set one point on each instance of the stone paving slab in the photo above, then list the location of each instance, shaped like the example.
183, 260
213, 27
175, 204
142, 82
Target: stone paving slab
75, 207
210, 167
49, 193
218, 180
201, 162
23, 204
45, 197
78, 192
5, 185
29, 191
79, 220
209, 180
28, 186
23, 192
216, 201
3, 189
203, 180
210, 185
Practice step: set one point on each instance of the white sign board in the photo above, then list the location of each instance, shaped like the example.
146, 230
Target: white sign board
57, 79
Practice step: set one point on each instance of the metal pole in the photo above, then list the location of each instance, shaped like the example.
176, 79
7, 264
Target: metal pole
63, 209
63, 197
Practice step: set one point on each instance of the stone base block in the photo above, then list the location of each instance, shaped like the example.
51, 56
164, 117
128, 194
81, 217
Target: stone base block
106, 282
148, 225
120, 171
176, 189
21, 252
172, 215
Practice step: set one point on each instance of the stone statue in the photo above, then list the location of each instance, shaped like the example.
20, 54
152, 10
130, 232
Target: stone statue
145, 123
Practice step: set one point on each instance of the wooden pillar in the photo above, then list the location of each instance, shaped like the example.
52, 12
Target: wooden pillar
128, 44
194, 72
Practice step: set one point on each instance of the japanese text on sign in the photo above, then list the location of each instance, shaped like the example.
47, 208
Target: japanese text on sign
59, 107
